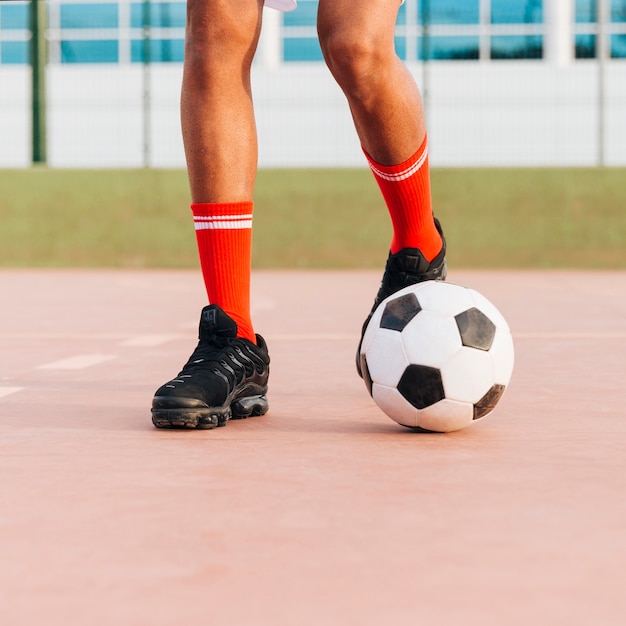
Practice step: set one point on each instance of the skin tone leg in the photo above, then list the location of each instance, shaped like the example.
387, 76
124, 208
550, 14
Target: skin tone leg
357, 39
217, 116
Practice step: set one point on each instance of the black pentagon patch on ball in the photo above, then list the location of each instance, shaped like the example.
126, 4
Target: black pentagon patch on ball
421, 386
399, 312
488, 402
476, 329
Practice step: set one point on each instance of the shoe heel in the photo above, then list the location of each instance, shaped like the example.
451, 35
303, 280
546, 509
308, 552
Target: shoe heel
249, 406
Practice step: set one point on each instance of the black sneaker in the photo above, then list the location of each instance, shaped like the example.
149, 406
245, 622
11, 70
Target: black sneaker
406, 267
226, 376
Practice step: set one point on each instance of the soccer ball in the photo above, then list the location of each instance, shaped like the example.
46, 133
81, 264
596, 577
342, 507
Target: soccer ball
437, 356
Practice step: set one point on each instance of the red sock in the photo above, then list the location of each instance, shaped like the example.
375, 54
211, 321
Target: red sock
224, 235
406, 190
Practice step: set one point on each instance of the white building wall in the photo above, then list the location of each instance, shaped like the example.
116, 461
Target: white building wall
480, 114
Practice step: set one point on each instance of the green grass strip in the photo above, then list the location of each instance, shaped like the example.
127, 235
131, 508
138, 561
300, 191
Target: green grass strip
314, 218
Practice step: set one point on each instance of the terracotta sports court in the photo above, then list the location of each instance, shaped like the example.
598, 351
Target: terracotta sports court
324, 511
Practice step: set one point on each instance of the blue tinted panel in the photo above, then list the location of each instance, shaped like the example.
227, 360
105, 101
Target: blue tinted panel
307, 49
449, 11
618, 46
402, 15
516, 48
400, 45
304, 15
618, 10
14, 16
585, 46
585, 11
448, 48
162, 14
14, 52
89, 16
161, 50
89, 52
516, 11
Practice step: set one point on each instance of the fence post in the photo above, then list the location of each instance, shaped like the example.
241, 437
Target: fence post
147, 59
603, 17
38, 58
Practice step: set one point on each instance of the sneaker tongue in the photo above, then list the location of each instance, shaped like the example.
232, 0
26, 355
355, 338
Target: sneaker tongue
410, 260
214, 322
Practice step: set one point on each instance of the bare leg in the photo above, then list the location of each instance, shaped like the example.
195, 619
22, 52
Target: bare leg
219, 131
357, 40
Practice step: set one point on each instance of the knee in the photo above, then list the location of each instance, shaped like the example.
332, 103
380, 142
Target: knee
354, 58
220, 37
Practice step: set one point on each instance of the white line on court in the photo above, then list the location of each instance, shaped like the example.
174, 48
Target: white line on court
311, 336
63, 336
78, 362
523, 335
7, 391
148, 341
571, 335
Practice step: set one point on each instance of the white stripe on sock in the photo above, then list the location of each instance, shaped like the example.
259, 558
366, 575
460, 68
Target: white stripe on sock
212, 222
409, 171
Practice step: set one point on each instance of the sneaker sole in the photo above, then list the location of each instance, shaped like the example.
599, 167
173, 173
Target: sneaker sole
206, 418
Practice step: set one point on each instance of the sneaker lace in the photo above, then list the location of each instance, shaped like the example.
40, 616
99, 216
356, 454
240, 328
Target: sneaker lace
226, 357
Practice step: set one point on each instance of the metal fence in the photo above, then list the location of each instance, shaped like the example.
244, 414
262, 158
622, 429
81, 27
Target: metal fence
505, 82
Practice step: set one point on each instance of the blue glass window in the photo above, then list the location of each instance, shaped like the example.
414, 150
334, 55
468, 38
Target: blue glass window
520, 47
162, 14
618, 11
14, 16
402, 15
161, 50
89, 51
586, 11
618, 42
14, 52
585, 46
304, 15
89, 16
450, 11
516, 11
449, 48
400, 47
302, 49
618, 46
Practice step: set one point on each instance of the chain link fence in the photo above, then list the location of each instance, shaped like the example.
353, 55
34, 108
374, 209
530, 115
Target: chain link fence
96, 83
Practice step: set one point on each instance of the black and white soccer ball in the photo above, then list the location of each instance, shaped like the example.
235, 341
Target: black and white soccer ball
437, 356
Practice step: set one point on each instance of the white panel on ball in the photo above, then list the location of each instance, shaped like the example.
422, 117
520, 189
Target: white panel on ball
431, 339
386, 359
503, 356
446, 416
445, 298
468, 375
394, 405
